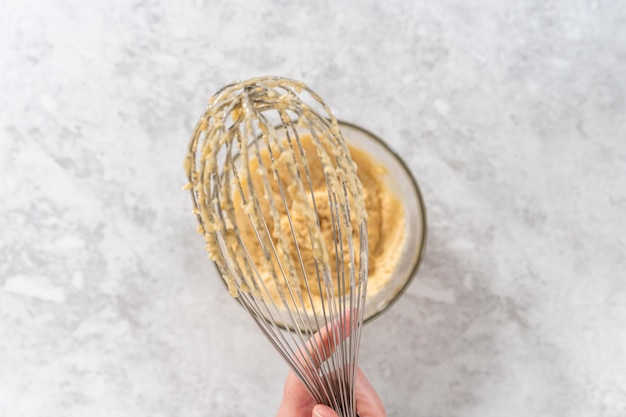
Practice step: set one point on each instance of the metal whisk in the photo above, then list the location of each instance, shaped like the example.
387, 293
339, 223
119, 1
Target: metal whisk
282, 213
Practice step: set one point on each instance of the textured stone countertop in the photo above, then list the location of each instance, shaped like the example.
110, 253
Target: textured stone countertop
511, 115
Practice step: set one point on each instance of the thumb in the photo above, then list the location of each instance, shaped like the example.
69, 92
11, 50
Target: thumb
321, 410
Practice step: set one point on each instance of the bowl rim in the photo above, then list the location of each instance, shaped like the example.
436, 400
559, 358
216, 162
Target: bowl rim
423, 218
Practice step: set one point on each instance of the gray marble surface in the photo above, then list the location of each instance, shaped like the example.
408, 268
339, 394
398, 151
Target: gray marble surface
511, 115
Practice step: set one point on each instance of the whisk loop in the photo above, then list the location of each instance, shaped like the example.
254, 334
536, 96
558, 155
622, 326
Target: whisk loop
281, 209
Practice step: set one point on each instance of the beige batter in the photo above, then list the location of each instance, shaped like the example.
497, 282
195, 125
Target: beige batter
385, 223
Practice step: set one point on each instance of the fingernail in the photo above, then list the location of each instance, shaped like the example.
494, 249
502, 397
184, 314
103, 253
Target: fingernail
323, 411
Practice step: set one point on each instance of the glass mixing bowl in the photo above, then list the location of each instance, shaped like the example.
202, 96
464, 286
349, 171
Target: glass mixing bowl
399, 180
401, 183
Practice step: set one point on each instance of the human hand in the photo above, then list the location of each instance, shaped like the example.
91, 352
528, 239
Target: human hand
298, 402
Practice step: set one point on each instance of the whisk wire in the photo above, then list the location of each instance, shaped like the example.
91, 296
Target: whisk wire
277, 226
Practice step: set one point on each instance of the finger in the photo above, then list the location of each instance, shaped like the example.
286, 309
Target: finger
323, 411
294, 388
368, 403
296, 401
322, 344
